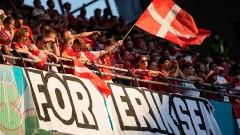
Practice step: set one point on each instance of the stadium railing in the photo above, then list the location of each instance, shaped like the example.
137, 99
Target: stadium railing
219, 91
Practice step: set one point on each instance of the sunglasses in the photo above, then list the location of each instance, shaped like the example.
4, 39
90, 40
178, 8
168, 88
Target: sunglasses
143, 61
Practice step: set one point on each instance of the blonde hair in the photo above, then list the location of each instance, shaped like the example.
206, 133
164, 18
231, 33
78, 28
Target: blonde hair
67, 40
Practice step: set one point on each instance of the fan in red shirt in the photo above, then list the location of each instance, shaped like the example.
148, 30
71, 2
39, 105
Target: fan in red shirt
143, 73
19, 24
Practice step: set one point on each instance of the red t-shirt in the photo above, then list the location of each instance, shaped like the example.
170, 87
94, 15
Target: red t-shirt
17, 45
68, 50
145, 76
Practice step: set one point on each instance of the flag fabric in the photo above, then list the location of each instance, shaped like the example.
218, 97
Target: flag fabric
164, 18
40, 57
83, 72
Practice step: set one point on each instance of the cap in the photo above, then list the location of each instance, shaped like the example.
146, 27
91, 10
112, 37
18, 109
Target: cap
87, 40
18, 16
210, 74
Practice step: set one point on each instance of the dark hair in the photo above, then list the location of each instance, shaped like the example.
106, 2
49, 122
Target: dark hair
211, 64
163, 59
197, 66
125, 41
39, 38
138, 58
186, 65
123, 52
149, 41
8, 20
97, 10
48, 1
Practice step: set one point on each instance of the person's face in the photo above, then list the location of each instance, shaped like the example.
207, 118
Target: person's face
38, 4
142, 45
51, 4
10, 25
202, 68
143, 63
102, 39
153, 66
68, 7
166, 65
151, 46
127, 56
19, 22
129, 45
215, 68
98, 14
43, 44
166, 53
189, 71
25, 38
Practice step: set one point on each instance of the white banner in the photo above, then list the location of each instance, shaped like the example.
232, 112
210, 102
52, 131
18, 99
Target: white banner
137, 111
68, 104
73, 105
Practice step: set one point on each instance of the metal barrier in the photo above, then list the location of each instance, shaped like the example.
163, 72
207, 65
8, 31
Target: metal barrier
131, 77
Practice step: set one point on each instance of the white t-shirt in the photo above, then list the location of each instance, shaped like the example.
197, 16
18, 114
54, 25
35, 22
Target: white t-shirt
222, 80
191, 93
37, 12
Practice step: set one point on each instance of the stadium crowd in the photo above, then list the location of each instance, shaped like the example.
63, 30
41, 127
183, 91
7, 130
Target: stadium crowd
46, 35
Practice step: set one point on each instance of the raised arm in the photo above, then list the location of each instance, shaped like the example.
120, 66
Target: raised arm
86, 34
111, 47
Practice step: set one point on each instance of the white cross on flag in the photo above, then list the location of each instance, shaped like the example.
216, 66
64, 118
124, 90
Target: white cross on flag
164, 18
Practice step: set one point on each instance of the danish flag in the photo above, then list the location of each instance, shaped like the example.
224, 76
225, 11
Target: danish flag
164, 18
83, 72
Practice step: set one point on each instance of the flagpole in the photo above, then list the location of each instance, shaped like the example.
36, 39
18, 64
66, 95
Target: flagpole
128, 32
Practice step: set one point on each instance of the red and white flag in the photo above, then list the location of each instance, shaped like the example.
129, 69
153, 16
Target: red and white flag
40, 57
83, 72
164, 18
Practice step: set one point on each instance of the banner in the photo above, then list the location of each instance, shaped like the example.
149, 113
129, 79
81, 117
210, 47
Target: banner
66, 104
138, 111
